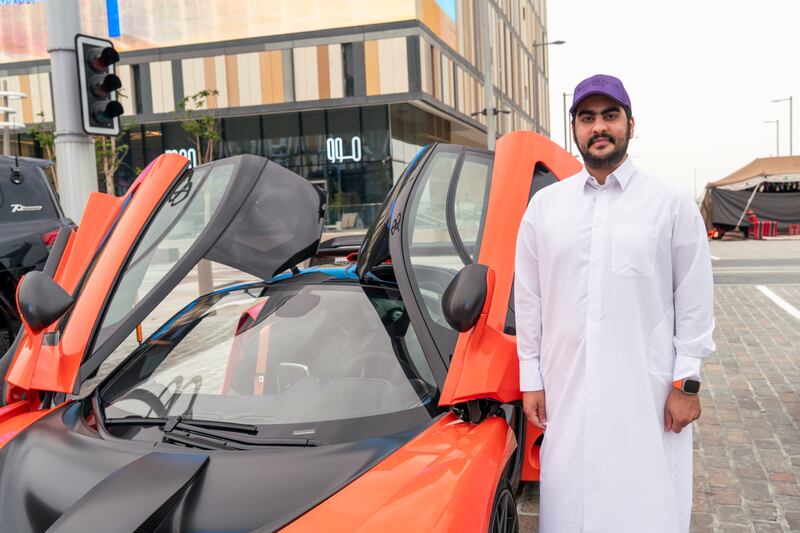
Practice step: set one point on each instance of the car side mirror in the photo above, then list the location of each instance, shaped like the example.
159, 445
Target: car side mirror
465, 296
41, 300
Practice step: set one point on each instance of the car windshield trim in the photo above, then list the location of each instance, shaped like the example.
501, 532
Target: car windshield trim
175, 421
202, 434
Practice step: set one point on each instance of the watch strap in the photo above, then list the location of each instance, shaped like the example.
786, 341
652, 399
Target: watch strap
687, 386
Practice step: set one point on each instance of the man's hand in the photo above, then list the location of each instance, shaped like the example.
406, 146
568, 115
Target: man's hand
534, 408
681, 410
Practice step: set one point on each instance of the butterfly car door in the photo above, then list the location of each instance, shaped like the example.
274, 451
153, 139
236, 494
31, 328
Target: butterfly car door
464, 206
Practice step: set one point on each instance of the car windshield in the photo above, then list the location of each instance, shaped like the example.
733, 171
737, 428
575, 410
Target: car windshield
297, 358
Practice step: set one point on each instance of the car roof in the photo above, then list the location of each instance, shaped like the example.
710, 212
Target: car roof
25, 161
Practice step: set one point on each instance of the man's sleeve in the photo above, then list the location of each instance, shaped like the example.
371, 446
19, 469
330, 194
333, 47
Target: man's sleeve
528, 306
693, 290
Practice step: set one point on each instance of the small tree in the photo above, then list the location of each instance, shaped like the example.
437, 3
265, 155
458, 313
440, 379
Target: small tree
110, 151
47, 140
201, 129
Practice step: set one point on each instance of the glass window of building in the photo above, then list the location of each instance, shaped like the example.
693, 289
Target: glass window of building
312, 127
282, 138
348, 66
241, 135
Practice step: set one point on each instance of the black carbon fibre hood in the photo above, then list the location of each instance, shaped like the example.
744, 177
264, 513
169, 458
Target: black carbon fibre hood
57, 479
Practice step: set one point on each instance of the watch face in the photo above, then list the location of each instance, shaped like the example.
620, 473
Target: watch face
691, 386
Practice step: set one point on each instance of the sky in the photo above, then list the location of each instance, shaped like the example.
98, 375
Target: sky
701, 76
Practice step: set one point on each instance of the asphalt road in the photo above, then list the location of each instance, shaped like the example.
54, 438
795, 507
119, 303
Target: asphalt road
756, 262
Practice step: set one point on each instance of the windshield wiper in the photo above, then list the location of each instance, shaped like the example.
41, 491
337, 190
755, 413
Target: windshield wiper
171, 423
209, 434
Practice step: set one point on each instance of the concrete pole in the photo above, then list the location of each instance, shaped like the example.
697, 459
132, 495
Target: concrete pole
77, 168
488, 79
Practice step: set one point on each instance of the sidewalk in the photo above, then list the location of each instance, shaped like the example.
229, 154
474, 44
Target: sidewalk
747, 442
752, 249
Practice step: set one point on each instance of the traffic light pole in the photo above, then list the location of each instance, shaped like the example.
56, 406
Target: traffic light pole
77, 167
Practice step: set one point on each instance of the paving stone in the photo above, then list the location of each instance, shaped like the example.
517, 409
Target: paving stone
785, 477
792, 520
731, 514
700, 520
786, 489
720, 477
528, 499
767, 527
747, 442
763, 511
754, 490
733, 528
528, 524
725, 496
788, 503
750, 470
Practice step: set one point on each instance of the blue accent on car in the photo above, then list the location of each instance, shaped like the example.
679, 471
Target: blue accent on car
336, 271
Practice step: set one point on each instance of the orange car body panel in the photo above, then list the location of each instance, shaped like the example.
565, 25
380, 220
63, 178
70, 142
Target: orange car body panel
442, 480
487, 366
36, 366
16, 417
484, 363
101, 211
55, 368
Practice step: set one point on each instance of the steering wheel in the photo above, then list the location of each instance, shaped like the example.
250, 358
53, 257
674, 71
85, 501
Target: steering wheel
368, 365
150, 399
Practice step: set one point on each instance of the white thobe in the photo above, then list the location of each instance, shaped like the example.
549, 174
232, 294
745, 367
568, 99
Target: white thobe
613, 301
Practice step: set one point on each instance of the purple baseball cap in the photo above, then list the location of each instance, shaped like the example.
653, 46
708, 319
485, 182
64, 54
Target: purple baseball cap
600, 84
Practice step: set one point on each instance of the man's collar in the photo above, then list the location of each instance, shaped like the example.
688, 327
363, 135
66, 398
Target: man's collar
622, 173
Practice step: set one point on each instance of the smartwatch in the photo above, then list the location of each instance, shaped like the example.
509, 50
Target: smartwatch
687, 386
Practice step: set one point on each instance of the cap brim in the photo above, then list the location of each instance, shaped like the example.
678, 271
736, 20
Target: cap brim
587, 95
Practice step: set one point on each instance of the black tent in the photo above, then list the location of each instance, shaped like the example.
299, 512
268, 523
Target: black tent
770, 187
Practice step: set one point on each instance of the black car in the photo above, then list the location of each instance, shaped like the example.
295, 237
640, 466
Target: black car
30, 218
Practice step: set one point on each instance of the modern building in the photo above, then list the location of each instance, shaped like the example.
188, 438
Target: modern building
343, 92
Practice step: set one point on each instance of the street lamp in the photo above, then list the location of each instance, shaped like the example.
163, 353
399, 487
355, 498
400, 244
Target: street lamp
777, 135
535, 44
536, 77
789, 99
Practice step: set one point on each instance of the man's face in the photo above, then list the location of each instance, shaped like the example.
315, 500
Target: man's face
601, 130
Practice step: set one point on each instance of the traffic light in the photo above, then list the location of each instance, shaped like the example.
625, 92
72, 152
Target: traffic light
100, 109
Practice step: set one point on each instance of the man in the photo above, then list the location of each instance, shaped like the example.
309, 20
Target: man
614, 310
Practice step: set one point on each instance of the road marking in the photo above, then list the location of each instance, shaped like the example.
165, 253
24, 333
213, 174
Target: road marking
780, 302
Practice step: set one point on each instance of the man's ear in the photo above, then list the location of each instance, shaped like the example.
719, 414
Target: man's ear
632, 124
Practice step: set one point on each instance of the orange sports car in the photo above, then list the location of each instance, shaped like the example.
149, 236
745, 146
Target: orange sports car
179, 370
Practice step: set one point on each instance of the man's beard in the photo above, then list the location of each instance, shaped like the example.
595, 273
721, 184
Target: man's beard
610, 160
